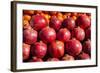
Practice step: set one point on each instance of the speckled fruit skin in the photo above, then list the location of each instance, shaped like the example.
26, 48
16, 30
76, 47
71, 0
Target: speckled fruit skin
73, 47
36, 59
56, 49
88, 33
47, 35
63, 35
69, 23
38, 22
67, 57
55, 23
26, 51
87, 46
52, 59
30, 36
83, 21
83, 56
39, 49
78, 33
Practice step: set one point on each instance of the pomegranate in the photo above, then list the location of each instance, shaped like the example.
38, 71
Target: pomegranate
69, 23
39, 49
87, 46
78, 33
73, 47
47, 35
38, 22
52, 59
67, 57
83, 21
88, 33
30, 36
26, 51
56, 49
26, 17
36, 59
63, 35
55, 23
83, 56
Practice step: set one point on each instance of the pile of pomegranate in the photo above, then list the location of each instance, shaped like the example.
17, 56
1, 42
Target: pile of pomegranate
56, 36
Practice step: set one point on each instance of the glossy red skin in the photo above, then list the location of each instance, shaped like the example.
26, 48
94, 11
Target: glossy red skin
83, 21
39, 49
56, 49
87, 46
30, 36
67, 57
35, 59
63, 35
55, 23
73, 47
83, 56
26, 51
38, 22
78, 33
88, 33
47, 35
52, 59
69, 23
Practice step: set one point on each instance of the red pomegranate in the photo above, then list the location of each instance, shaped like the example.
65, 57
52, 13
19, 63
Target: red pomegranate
88, 33
69, 23
47, 35
38, 22
55, 23
83, 56
26, 51
30, 36
63, 35
52, 59
73, 47
78, 33
87, 46
83, 21
39, 49
56, 49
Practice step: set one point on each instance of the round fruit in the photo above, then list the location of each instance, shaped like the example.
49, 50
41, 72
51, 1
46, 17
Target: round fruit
63, 35
47, 35
67, 57
83, 21
27, 17
52, 59
87, 46
69, 23
25, 24
35, 59
38, 22
78, 33
56, 49
73, 47
29, 36
83, 56
88, 33
39, 49
55, 23
26, 51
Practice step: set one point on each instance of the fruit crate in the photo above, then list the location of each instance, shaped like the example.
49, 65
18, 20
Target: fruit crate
52, 36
